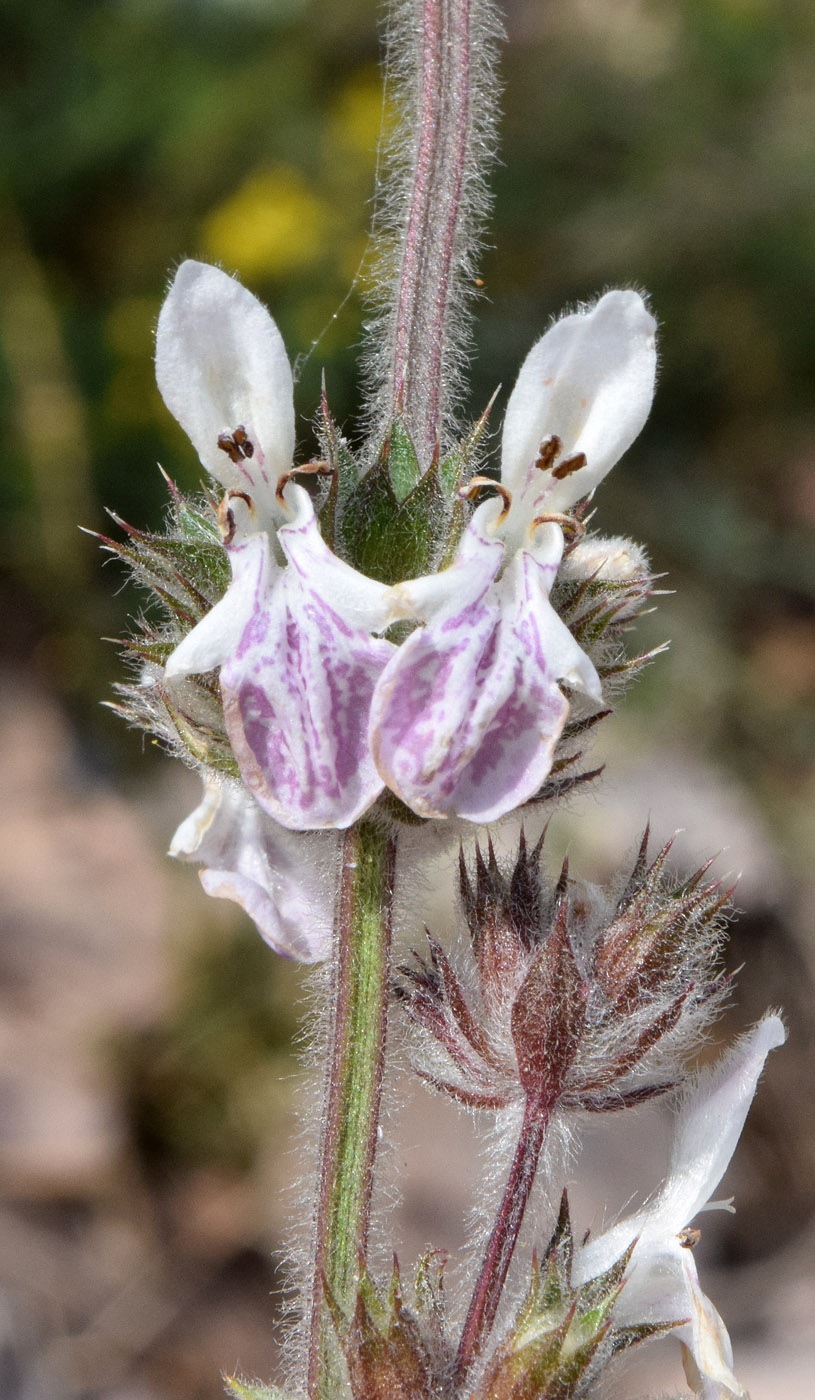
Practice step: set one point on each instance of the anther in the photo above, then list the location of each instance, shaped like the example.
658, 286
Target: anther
548, 452
689, 1237
569, 465
237, 445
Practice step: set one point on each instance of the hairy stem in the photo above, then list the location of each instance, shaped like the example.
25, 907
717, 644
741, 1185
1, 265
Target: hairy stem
430, 240
353, 1088
501, 1244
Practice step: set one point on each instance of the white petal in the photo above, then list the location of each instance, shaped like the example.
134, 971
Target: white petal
590, 382
217, 634
709, 1126
360, 601
709, 1367
284, 882
705, 1136
221, 363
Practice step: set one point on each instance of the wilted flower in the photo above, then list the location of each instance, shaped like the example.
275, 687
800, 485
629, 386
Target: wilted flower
662, 1283
285, 886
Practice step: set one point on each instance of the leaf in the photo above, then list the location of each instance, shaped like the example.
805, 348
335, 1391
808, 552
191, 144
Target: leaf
241, 1389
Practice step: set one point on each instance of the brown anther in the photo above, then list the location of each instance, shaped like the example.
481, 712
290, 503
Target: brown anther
237, 445
548, 453
226, 519
308, 469
476, 484
573, 529
689, 1237
569, 465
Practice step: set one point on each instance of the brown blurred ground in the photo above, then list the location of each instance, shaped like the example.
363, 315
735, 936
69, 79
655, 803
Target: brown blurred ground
133, 1268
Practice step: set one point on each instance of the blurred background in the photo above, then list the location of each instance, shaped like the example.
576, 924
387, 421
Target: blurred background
147, 1077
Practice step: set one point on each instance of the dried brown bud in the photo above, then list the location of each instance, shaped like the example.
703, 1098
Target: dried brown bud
563, 1004
548, 1016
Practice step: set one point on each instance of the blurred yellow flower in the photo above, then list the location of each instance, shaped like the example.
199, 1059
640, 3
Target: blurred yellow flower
272, 225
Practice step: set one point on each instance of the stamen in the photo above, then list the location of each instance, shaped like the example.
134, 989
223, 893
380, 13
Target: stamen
237, 445
573, 529
476, 484
548, 453
308, 469
689, 1237
226, 518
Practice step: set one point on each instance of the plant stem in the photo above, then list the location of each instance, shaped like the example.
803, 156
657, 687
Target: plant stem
504, 1237
353, 1088
430, 245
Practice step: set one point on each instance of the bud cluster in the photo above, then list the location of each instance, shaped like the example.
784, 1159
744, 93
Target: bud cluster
570, 999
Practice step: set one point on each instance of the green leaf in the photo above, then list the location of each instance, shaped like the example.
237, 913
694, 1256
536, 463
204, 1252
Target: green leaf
241, 1389
391, 540
404, 471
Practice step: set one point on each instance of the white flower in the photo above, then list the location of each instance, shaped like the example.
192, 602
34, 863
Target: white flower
467, 714
662, 1284
285, 882
292, 634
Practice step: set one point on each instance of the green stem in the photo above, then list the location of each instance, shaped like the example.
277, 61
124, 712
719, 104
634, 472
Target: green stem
353, 1089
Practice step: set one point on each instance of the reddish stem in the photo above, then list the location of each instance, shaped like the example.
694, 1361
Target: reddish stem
431, 238
501, 1244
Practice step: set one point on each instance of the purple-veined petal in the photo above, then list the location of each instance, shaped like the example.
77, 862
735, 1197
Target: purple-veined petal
466, 717
589, 381
221, 364
216, 635
298, 683
283, 881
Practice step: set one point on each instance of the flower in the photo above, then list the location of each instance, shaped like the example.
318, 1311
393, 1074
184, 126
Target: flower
286, 888
662, 1282
321, 711
467, 713
292, 634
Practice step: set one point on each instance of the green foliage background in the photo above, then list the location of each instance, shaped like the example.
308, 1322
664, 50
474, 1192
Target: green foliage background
669, 145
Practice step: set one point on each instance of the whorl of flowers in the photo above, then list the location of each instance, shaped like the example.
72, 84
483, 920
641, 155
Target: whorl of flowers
379, 644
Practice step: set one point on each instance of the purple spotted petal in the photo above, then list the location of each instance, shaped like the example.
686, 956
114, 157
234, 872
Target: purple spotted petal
284, 882
297, 687
467, 715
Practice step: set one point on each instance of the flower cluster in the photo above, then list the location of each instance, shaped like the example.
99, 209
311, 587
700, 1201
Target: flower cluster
447, 685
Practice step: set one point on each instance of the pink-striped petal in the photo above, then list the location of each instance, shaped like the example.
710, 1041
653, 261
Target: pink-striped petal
298, 684
466, 717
